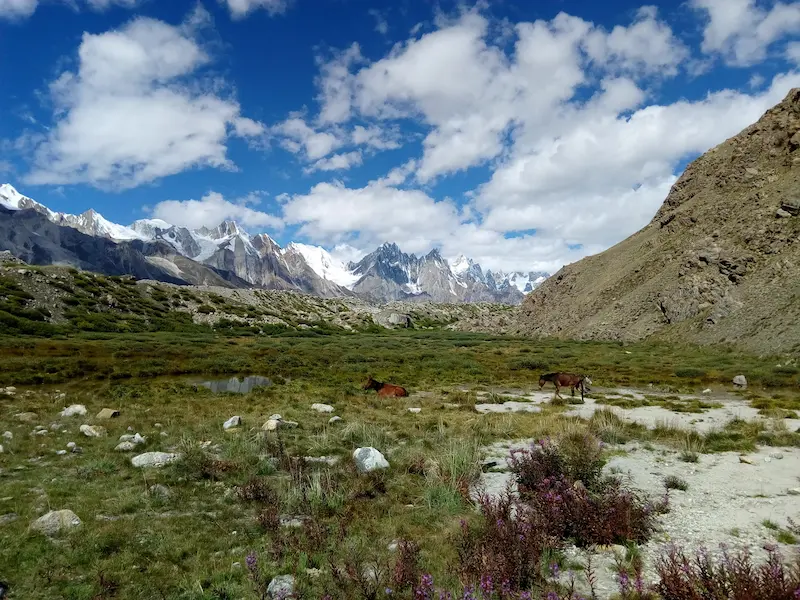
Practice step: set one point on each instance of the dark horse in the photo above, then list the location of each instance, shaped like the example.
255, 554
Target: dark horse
384, 389
569, 380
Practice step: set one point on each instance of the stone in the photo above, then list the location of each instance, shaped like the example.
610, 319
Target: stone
793, 491
107, 413
326, 460
1, 449
93, 431
8, 435
281, 587
323, 408
782, 214
707, 391
125, 447
415, 410
74, 410
369, 459
740, 381
157, 425
159, 491
388, 318
746, 460
8, 518
333, 420
76, 450
61, 452
776, 455
26, 417
71, 445
271, 425
232, 422
791, 206
55, 521
155, 459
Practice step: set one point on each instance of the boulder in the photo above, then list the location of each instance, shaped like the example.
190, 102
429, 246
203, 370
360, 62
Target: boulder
334, 420
74, 410
55, 521
232, 422
159, 491
388, 318
108, 413
281, 587
782, 214
369, 459
8, 435
26, 417
1, 449
155, 459
323, 408
93, 431
740, 381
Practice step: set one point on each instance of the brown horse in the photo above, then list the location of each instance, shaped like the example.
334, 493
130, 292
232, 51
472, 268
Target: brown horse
569, 380
384, 389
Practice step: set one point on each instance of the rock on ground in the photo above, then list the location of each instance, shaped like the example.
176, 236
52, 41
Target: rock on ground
740, 381
323, 408
333, 420
108, 413
232, 422
155, 459
369, 459
93, 431
281, 586
74, 410
55, 521
8, 435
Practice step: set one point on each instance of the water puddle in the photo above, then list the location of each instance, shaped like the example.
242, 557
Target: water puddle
235, 385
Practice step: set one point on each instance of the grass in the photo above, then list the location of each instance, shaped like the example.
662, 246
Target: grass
229, 497
673, 482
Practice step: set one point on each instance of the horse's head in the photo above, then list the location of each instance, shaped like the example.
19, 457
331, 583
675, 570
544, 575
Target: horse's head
586, 380
371, 384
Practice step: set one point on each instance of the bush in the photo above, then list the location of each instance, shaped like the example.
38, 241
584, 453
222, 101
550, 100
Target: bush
564, 487
733, 577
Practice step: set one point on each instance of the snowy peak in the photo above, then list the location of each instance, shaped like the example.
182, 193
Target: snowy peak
93, 223
149, 228
10, 198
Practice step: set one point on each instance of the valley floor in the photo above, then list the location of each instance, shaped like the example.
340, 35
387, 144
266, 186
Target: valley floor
282, 496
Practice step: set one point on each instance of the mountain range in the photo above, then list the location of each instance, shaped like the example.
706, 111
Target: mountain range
228, 255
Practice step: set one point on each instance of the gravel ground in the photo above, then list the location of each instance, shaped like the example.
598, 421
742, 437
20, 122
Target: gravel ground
727, 500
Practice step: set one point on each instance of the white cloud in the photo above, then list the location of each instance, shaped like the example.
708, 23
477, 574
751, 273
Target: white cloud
22, 9
375, 137
336, 85
337, 162
648, 45
17, 9
212, 209
381, 24
241, 8
299, 137
742, 31
793, 53
135, 110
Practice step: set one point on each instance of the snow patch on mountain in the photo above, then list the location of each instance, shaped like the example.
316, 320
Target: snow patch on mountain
323, 264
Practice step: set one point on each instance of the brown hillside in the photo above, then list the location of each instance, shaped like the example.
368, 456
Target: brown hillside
720, 261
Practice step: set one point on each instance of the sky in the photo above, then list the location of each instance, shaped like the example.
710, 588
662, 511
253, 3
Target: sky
523, 134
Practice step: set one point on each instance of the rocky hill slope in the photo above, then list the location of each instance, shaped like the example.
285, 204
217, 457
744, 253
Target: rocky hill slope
52, 300
719, 262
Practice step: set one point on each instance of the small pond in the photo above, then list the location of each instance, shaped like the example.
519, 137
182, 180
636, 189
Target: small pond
235, 385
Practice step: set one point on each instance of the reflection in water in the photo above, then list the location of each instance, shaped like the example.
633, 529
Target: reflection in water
234, 385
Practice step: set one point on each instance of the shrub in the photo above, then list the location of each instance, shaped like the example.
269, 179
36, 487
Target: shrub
673, 482
506, 545
572, 500
734, 577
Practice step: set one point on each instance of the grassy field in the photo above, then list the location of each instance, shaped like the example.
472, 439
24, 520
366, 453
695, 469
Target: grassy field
229, 492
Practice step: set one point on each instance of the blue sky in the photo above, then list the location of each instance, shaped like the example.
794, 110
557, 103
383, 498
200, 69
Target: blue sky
523, 134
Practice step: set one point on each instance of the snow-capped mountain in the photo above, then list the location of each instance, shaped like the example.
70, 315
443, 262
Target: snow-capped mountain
229, 255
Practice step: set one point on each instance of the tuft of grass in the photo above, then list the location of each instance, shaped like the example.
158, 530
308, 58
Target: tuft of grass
673, 482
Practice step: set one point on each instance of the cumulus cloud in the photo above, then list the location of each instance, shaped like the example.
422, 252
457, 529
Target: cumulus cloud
136, 109
563, 113
299, 137
242, 8
742, 31
337, 162
212, 209
22, 9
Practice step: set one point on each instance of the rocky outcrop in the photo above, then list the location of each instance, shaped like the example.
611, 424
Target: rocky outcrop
715, 264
